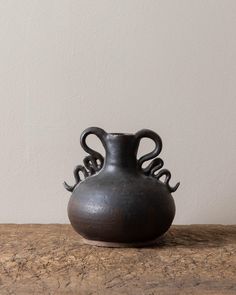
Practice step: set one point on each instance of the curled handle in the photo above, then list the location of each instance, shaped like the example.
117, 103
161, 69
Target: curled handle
101, 134
167, 175
77, 170
92, 163
146, 133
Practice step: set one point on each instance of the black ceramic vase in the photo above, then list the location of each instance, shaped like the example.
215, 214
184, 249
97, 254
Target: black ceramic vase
118, 202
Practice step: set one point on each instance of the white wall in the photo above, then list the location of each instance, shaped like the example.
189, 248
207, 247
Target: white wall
122, 65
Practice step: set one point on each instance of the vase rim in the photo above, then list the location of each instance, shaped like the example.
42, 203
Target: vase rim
120, 134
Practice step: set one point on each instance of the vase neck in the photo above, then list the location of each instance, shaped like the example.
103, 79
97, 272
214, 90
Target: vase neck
121, 151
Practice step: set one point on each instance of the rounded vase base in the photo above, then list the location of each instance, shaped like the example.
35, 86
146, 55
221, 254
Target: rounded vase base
121, 245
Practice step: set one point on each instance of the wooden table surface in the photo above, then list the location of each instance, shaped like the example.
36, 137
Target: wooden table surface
51, 259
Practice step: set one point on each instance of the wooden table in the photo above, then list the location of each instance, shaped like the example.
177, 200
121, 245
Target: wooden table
51, 259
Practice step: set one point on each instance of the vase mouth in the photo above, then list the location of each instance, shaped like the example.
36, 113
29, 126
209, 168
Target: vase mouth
120, 134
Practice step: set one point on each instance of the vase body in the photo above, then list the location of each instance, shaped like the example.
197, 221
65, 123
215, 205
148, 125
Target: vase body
119, 203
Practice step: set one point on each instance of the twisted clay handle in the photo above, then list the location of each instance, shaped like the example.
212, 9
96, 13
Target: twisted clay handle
101, 134
158, 142
90, 161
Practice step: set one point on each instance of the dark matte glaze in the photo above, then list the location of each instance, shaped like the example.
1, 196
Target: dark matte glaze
119, 202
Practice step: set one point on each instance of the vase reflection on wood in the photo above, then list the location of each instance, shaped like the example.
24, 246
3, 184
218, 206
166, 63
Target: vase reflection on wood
118, 202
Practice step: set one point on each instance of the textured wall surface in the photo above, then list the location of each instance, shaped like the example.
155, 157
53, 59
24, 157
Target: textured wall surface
122, 65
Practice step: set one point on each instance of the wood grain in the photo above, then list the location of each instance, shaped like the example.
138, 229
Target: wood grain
51, 259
